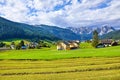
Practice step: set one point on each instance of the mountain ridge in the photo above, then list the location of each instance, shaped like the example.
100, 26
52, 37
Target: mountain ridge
11, 30
112, 35
86, 32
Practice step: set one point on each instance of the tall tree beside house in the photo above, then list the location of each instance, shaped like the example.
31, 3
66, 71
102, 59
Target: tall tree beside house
95, 40
20, 45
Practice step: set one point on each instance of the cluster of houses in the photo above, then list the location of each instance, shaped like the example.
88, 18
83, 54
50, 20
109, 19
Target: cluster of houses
30, 45
65, 45
25, 45
69, 45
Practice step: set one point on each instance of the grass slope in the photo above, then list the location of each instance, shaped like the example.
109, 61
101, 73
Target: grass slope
17, 41
52, 53
64, 69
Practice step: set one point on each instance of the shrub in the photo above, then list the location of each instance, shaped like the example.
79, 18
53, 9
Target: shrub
18, 47
2, 44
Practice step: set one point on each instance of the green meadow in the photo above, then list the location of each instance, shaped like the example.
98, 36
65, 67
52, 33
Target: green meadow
85, 63
53, 53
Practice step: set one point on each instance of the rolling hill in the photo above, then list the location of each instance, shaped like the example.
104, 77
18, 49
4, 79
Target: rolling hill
12, 30
112, 35
62, 33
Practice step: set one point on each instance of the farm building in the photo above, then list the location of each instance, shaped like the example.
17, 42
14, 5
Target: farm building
32, 45
108, 42
67, 45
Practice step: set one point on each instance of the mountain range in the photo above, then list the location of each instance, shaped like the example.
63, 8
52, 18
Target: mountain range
86, 32
12, 30
112, 35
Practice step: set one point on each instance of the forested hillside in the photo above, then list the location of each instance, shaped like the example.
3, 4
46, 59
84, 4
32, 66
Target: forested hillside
112, 35
11, 30
62, 33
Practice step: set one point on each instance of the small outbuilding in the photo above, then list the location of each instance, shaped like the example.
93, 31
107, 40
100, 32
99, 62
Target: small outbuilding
67, 45
108, 42
63, 45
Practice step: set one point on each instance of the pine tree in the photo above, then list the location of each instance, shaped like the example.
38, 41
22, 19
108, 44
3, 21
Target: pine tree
18, 46
95, 40
22, 43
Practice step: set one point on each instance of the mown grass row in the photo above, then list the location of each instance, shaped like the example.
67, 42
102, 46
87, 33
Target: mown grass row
65, 69
90, 75
6, 64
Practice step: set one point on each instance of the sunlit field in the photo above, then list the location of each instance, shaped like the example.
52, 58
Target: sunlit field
53, 53
85, 63
63, 69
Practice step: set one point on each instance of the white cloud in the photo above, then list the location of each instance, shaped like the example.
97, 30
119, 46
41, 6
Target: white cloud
60, 12
14, 11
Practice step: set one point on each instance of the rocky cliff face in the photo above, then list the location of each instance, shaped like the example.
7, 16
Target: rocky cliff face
88, 30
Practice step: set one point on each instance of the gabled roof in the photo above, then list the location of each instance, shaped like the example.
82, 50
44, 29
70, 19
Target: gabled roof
66, 42
107, 41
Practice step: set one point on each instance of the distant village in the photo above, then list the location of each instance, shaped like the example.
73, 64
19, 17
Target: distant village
69, 45
60, 45
23, 44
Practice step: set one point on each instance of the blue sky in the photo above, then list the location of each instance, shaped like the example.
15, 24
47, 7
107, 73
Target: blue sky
63, 13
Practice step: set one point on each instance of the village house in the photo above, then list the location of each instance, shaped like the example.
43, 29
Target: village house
67, 45
32, 45
12, 46
106, 43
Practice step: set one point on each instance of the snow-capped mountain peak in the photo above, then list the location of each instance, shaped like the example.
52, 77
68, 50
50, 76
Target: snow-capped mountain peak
88, 30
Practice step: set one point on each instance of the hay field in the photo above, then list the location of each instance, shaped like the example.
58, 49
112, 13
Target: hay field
62, 69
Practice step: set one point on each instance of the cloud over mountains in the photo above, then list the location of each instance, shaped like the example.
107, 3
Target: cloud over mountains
60, 12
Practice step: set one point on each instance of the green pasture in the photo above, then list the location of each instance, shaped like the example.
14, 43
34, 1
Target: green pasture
85, 63
53, 53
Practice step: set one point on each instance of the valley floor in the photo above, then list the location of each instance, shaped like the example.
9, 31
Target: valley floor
50, 64
62, 69
53, 53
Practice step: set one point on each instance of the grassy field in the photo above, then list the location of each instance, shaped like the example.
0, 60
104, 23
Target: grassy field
62, 69
52, 53
85, 63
